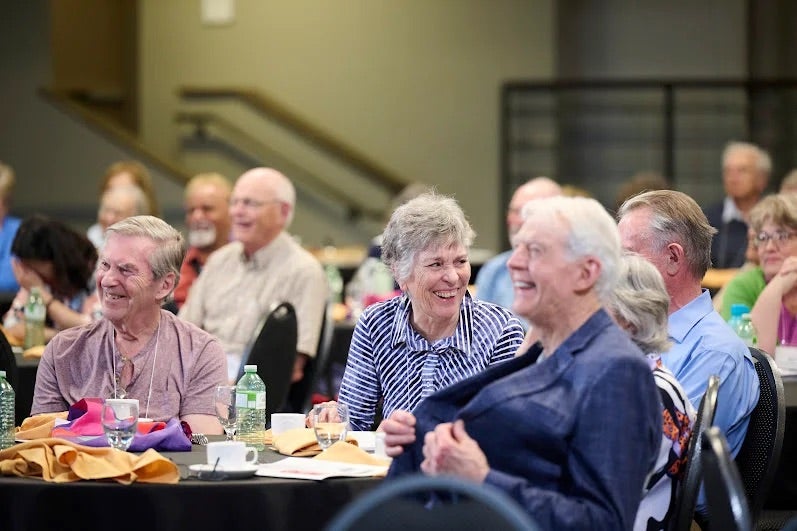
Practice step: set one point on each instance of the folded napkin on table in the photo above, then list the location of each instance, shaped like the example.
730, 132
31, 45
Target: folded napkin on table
33, 353
299, 442
343, 452
84, 427
13, 340
39, 426
61, 461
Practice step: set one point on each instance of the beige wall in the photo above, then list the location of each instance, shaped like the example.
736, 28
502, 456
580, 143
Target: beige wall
413, 83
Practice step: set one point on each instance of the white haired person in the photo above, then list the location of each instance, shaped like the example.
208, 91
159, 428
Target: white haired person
137, 350
571, 428
640, 306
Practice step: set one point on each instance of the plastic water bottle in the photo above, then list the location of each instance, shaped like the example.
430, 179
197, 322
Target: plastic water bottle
35, 312
250, 401
7, 412
747, 331
335, 281
735, 321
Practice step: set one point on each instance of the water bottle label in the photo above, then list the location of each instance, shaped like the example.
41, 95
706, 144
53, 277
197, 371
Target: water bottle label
241, 399
260, 400
251, 399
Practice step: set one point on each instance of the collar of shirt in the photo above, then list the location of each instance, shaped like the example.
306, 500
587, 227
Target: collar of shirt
262, 257
684, 319
461, 339
730, 212
194, 258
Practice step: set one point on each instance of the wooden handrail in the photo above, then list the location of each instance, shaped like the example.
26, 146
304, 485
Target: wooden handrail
202, 120
278, 112
114, 132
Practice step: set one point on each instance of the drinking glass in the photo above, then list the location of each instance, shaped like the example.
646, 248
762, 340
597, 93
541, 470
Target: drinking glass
119, 421
330, 423
226, 411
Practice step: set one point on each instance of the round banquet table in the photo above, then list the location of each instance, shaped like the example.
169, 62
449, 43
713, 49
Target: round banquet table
256, 503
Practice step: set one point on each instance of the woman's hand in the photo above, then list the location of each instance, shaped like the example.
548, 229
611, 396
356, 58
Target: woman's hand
399, 430
450, 450
787, 275
327, 415
26, 277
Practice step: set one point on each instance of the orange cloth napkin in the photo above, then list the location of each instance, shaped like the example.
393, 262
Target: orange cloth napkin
343, 452
38, 426
13, 340
60, 461
300, 442
33, 352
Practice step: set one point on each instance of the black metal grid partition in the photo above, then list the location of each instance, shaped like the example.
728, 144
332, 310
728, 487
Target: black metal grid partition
597, 134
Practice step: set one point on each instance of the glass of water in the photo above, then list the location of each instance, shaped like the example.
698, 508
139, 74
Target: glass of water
225, 409
330, 423
119, 421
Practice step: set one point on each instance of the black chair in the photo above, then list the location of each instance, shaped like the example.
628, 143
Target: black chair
692, 478
8, 362
759, 455
300, 395
401, 505
274, 353
725, 494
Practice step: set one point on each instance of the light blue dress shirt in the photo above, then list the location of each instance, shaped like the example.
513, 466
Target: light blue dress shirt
704, 344
493, 283
8, 282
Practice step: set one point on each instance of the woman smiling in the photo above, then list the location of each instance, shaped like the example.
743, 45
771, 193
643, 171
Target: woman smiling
433, 334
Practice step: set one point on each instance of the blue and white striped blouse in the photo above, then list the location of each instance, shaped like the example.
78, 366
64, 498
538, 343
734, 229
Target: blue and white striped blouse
388, 359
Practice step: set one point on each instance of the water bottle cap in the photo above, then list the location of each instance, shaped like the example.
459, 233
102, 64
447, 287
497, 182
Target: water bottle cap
737, 310
250, 368
3, 374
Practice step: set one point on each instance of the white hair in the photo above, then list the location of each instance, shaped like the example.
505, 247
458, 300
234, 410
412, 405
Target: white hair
592, 232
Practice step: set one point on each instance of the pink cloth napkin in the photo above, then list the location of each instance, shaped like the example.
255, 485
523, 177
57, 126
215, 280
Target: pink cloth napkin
84, 427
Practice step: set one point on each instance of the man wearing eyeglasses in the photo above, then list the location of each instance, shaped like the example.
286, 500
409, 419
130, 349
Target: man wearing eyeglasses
745, 174
264, 266
668, 229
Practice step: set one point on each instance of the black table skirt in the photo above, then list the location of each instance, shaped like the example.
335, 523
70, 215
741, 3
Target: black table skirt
256, 503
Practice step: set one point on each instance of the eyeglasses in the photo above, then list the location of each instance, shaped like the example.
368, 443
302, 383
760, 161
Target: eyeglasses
250, 203
777, 237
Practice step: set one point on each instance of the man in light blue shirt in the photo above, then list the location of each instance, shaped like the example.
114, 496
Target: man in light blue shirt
669, 229
493, 283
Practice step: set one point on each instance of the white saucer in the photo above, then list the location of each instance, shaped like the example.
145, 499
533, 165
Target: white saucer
238, 473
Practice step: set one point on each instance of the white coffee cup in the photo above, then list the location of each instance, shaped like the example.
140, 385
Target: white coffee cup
231, 455
282, 422
786, 358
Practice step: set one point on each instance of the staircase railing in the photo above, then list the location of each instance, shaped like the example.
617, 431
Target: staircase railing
273, 110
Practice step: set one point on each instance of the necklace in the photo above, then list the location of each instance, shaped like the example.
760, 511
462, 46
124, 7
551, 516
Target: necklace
152, 372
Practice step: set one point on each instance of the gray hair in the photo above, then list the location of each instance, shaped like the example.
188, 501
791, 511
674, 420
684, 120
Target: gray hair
676, 218
592, 232
780, 209
140, 201
7, 180
428, 220
788, 184
763, 162
216, 179
170, 251
641, 304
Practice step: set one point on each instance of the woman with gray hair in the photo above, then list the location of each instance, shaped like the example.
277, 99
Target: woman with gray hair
640, 305
771, 288
432, 335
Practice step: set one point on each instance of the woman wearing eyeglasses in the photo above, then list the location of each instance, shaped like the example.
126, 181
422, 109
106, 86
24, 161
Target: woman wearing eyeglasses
771, 288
